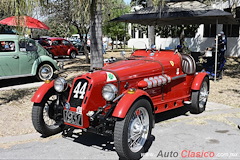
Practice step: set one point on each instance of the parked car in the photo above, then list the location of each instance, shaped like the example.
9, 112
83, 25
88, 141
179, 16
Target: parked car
21, 57
59, 47
79, 45
121, 99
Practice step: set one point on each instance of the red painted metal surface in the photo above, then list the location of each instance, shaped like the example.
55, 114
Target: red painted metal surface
40, 93
126, 102
197, 82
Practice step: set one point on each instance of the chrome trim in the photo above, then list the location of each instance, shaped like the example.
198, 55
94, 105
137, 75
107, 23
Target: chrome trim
178, 77
118, 97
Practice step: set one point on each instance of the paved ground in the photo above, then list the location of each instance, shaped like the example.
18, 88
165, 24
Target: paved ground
175, 136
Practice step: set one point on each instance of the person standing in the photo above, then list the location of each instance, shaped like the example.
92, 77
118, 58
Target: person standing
105, 44
222, 44
222, 47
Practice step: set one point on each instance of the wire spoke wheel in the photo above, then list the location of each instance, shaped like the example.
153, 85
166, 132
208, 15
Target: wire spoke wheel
132, 133
203, 94
138, 129
44, 117
199, 97
48, 112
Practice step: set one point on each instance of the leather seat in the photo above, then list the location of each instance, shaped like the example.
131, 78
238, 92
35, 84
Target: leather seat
188, 64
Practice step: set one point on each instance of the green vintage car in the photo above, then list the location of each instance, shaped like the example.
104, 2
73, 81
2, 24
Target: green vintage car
22, 57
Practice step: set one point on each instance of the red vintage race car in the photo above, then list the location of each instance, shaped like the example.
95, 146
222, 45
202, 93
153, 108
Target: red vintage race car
121, 99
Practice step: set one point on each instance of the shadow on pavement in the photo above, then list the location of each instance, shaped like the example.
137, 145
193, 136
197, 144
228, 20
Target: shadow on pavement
96, 141
17, 81
107, 144
171, 114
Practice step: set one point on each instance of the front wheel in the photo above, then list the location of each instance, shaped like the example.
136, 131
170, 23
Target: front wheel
132, 133
199, 97
47, 116
45, 72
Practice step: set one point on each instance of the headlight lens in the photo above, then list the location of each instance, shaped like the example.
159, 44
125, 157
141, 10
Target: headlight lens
109, 92
60, 84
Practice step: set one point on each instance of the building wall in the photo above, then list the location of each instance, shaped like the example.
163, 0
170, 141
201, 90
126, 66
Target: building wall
196, 44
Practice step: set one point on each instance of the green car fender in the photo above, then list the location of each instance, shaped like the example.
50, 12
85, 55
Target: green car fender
43, 60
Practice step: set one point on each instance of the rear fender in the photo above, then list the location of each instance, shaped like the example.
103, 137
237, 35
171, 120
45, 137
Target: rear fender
126, 102
41, 92
197, 82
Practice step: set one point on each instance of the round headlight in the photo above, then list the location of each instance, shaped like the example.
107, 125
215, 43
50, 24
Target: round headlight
109, 92
60, 84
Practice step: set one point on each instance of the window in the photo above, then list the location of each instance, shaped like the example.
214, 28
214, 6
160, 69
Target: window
55, 43
133, 32
27, 45
7, 46
66, 42
209, 30
140, 34
231, 30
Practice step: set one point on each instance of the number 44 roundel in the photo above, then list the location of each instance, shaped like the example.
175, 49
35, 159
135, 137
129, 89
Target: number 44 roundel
80, 90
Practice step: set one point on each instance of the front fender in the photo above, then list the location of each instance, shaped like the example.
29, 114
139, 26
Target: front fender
197, 82
41, 92
126, 102
43, 59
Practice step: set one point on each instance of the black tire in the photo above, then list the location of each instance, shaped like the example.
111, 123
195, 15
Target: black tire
42, 113
44, 72
73, 55
122, 131
199, 97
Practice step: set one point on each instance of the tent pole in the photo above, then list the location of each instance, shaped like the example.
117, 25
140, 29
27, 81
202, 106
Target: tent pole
215, 70
125, 35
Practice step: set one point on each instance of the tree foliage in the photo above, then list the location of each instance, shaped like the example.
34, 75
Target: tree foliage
115, 29
175, 31
18, 8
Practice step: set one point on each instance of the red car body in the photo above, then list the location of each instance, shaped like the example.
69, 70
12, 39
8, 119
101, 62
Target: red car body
59, 47
160, 80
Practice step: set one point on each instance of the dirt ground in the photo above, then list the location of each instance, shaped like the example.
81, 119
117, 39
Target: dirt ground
16, 105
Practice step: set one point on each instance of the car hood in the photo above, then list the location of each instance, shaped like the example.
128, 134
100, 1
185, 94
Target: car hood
135, 68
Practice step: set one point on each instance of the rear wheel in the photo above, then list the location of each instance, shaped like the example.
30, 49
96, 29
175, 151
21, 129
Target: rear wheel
46, 120
45, 72
73, 54
199, 97
132, 133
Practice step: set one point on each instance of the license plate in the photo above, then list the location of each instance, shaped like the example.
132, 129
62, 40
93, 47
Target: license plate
72, 117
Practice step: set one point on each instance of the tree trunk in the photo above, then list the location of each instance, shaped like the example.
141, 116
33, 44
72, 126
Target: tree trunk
96, 34
151, 29
116, 42
85, 51
151, 35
